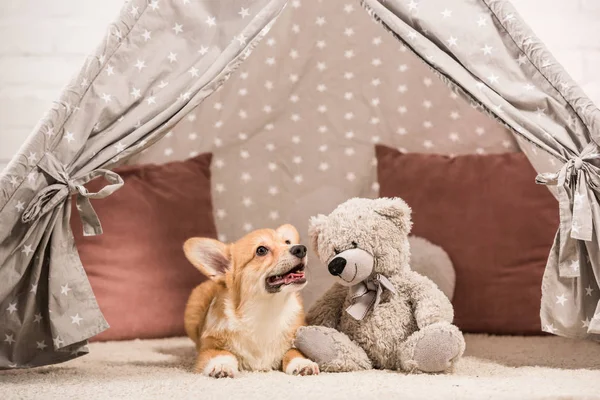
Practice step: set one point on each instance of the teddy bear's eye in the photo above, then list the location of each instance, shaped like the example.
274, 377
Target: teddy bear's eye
354, 244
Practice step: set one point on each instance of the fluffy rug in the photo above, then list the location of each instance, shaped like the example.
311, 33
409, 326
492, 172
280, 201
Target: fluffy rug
493, 367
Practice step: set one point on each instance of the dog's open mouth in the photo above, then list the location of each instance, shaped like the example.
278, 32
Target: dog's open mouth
295, 276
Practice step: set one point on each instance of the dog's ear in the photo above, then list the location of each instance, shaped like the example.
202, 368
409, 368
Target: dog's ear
210, 256
395, 209
289, 232
315, 229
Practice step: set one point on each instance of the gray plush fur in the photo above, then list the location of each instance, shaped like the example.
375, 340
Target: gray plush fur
410, 330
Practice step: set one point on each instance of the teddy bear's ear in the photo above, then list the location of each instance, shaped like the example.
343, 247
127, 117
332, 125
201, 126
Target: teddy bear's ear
315, 228
396, 210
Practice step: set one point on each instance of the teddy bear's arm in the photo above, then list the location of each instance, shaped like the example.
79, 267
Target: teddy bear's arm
328, 309
430, 304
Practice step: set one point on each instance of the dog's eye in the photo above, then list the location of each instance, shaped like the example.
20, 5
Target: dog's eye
354, 244
336, 251
288, 242
262, 251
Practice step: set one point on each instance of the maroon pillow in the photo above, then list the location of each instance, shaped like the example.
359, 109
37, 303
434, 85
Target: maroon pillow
137, 267
496, 224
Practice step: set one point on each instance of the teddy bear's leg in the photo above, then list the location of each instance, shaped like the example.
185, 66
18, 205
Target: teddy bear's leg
332, 350
435, 348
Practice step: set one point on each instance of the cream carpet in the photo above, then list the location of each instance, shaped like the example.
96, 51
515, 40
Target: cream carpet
493, 368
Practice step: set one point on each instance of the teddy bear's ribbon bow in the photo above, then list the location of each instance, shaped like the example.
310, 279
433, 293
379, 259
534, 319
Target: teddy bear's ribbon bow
367, 295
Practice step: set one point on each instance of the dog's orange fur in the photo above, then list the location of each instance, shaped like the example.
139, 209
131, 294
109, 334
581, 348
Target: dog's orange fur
233, 320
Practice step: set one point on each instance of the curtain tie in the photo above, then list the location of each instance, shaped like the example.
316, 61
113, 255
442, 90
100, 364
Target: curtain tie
576, 182
54, 194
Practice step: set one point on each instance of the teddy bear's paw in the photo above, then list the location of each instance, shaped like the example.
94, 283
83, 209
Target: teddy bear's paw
435, 348
332, 350
302, 366
316, 343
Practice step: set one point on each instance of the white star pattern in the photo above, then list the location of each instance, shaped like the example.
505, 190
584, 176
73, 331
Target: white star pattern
561, 299
65, 289
12, 307
58, 342
27, 249
178, 28
31, 176
76, 319
9, 339
41, 345
588, 291
493, 78
550, 328
244, 12
140, 65
211, 21
452, 41
136, 93
585, 323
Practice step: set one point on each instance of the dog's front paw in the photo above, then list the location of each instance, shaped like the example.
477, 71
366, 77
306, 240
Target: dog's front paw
221, 367
302, 366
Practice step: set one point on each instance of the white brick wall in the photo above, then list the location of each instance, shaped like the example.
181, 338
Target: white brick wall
43, 42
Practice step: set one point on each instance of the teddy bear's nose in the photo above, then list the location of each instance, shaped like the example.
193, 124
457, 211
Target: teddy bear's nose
336, 266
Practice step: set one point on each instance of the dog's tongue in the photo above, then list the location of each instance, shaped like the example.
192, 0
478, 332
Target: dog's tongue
292, 277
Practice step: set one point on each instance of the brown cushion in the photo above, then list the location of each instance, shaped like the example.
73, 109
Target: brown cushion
496, 224
137, 267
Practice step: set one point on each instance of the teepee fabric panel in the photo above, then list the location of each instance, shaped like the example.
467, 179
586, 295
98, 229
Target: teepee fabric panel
502, 65
293, 131
157, 62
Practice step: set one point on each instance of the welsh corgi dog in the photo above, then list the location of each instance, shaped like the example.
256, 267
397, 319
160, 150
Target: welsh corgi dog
245, 316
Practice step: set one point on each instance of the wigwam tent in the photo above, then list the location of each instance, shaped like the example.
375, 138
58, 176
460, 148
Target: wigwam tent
292, 130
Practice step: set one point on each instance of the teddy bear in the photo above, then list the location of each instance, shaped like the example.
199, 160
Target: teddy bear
379, 313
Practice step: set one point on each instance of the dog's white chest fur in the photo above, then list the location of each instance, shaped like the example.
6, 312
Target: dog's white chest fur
261, 333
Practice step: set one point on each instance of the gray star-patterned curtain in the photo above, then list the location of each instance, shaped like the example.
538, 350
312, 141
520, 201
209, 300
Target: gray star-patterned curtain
484, 48
159, 60
163, 58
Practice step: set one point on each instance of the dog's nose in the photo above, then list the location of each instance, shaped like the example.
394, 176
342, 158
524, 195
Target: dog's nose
298, 250
336, 266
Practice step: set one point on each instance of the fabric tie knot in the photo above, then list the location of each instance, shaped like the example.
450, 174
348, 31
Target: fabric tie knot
576, 181
366, 295
52, 195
